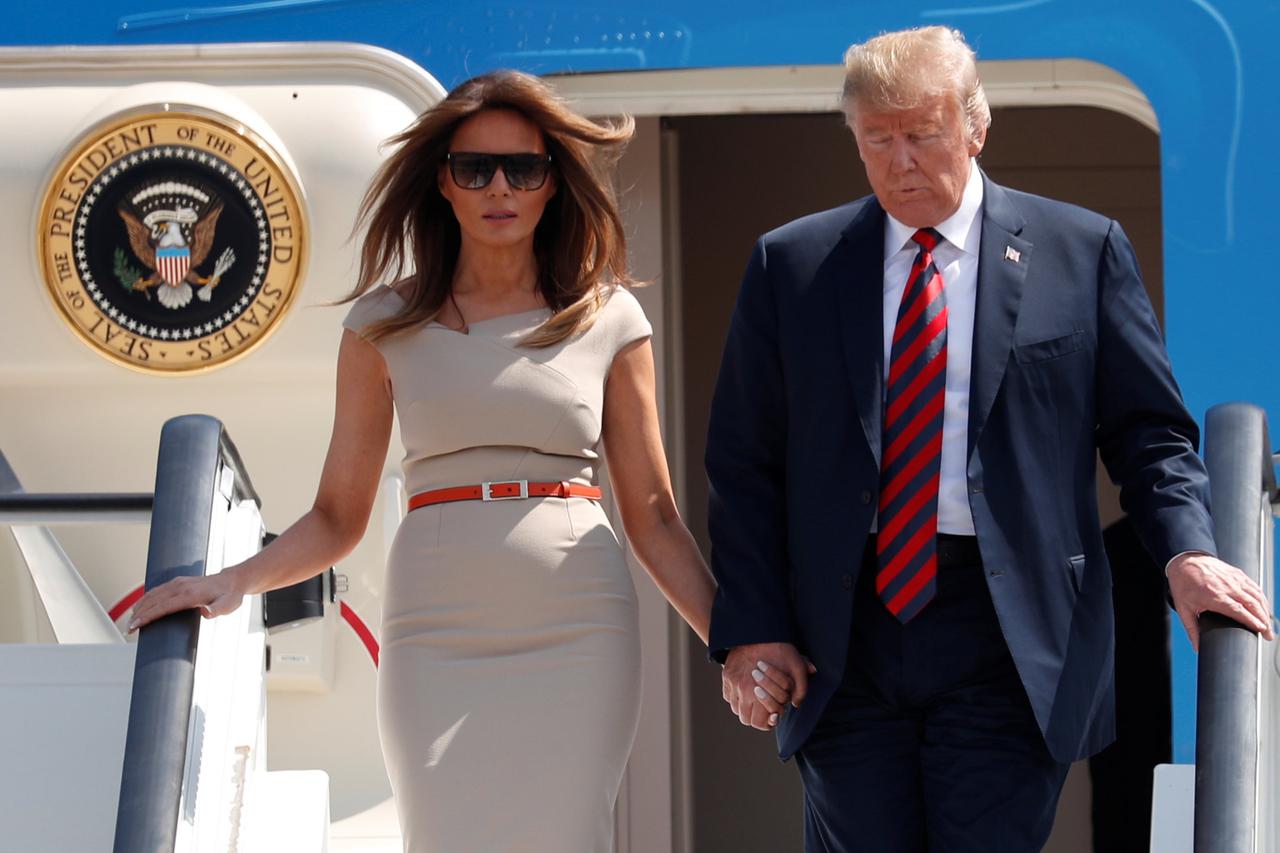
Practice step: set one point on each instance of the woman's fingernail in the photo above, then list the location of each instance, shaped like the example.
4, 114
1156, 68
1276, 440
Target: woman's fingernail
132, 626
757, 675
773, 719
762, 666
761, 694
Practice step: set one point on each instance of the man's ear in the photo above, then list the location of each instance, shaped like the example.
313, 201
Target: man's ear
977, 141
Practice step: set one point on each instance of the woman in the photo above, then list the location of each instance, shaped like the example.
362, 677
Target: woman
508, 691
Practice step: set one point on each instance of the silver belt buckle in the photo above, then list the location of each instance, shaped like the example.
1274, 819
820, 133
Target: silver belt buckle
486, 486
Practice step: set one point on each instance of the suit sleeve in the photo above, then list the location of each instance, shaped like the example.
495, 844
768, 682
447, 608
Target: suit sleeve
1146, 436
746, 448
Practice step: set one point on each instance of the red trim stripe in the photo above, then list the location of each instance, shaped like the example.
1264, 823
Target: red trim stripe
361, 629
125, 603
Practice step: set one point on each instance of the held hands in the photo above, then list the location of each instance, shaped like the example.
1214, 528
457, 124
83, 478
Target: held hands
214, 595
758, 681
1199, 582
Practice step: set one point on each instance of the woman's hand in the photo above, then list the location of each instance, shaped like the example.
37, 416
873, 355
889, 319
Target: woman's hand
333, 526
760, 680
214, 595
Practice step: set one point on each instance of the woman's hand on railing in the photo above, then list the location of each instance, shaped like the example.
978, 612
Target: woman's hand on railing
213, 595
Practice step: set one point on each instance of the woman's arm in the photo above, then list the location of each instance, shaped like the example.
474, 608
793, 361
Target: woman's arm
642, 488
336, 521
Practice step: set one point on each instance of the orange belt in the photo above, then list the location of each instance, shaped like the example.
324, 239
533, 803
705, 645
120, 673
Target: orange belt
505, 490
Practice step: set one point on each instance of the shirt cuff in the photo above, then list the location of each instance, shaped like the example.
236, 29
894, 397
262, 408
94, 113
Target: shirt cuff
1182, 554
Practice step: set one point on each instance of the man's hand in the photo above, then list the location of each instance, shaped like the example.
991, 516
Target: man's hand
1199, 582
758, 681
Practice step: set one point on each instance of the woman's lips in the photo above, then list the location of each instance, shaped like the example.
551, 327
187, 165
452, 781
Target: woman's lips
500, 215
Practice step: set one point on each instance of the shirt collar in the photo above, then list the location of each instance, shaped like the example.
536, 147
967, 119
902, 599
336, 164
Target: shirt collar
957, 229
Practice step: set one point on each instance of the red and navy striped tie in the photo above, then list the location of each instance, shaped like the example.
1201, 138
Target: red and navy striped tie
906, 544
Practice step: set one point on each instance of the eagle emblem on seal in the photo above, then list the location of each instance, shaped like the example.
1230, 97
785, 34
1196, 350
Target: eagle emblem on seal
171, 228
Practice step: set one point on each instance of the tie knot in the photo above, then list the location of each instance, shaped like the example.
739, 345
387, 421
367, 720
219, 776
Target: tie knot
927, 238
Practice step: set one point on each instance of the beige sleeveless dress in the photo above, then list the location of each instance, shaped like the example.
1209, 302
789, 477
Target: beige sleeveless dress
509, 685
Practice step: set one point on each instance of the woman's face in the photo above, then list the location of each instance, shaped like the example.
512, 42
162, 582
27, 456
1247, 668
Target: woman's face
497, 215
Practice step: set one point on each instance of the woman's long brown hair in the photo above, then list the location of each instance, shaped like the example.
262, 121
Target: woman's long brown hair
578, 244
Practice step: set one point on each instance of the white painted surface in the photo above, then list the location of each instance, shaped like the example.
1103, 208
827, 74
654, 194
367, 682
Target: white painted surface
366, 832
73, 611
1173, 807
63, 715
302, 658
289, 813
228, 701
816, 88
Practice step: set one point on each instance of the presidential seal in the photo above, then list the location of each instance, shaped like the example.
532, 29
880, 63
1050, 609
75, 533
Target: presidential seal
172, 240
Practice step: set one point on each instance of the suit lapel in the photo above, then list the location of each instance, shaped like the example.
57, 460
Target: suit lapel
1003, 260
857, 265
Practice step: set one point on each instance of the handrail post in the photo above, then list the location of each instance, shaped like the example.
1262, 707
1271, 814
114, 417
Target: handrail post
193, 451
1238, 457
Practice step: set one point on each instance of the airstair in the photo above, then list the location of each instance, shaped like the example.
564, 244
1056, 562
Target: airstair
158, 744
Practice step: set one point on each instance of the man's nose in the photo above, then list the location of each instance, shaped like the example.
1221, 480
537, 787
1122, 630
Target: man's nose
900, 156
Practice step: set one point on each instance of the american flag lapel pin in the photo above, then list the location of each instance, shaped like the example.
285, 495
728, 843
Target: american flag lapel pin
1012, 254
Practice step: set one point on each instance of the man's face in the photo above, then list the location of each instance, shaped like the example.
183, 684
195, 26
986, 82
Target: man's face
917, 159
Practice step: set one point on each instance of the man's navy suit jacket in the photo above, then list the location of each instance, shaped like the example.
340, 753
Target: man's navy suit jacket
1067, 357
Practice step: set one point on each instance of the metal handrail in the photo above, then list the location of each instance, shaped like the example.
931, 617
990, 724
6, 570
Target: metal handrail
74, 508
194, 452
1237, 453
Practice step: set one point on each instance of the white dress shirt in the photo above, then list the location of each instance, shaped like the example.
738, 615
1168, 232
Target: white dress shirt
957, 260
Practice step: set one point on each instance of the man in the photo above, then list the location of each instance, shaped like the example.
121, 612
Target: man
901, 458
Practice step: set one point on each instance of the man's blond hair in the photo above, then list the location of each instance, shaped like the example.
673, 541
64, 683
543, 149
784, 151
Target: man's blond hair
903, 69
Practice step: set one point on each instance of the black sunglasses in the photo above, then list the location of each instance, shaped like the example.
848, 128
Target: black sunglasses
472, 170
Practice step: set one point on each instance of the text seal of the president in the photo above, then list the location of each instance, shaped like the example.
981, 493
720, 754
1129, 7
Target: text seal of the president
173, 239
